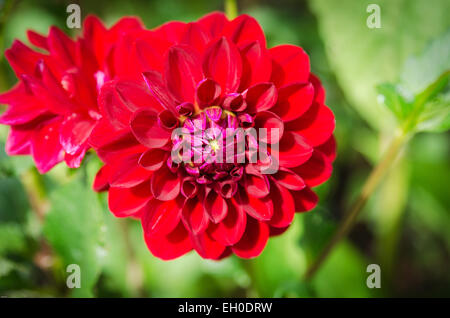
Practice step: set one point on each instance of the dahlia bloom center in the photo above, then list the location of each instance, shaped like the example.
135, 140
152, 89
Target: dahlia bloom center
209, 145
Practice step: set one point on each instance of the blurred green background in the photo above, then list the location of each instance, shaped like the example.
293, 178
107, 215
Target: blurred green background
50, 221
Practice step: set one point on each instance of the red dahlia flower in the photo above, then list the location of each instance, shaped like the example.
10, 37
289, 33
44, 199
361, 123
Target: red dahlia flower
53, 108
211, 77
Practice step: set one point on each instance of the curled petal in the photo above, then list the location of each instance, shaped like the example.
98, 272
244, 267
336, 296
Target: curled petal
259, 208
145, 127
159, 90
208, 92
194, 216
256, 64
195, 36
222, 63
245, 28
254, 239
260, 97
290, 64
293, 100
284, 209
230, 230
289, 179
329, 148
316, 170
216, 206
169, 246
153, 159
256, 184
182, 73
165, 184
269, 121
206, 246
293, 150
305, 200
124, 202
161, 217
189, 188
126, 171
316, 125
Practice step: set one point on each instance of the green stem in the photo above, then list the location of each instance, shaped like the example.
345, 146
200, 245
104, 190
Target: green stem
369, 187
231, 9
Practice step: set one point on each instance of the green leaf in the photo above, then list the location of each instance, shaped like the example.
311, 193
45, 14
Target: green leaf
73, 227
12, 238
391, 96
363, 58
343, 274
436, 115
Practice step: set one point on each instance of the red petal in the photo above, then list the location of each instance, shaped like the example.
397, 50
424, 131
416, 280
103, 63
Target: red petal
74, 160
316, 125
37, 39
269, 121
135, 95
293, 150
165, 185
290, 64
260, 97
45, 146
243, 29
259, 208
216, 206
222, 62
319, 91
285, 207
126, 172
145, 127
19, 140
254, 239
214, 23
194, 216
196, 36
208, 92
293, 100
124, 202
113, 107
305, 200
153, 159
329, 148
61, 46
22, 59
289, 179
161, 217
170, 246
232, 227
316, 170
159, 90
207, 247
74, 132
101, 181
182, 73
256, 64
23, 106
256, 184
171, 31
